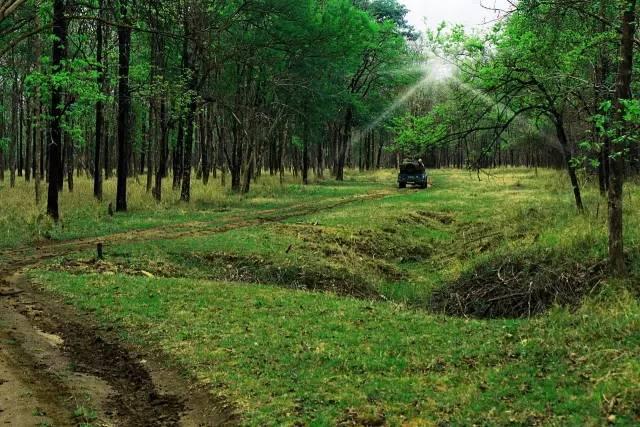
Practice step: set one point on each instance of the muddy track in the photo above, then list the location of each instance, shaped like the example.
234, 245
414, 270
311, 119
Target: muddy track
75, 371
58, 367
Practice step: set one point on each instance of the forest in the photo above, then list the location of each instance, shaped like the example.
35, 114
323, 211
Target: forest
204, 220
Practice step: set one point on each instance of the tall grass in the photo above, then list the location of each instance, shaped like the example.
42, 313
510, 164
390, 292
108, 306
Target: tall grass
22, 221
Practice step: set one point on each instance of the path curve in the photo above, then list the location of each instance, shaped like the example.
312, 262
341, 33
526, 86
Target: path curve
58, 366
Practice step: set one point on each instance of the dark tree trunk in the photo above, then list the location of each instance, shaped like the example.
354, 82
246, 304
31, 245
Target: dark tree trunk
623, 92
55, 144
187, 57
185, 194
249, 169
60, 177
151, 142
320, 160
20, 160
37, 130
161, 171
97, 170
600, 95
178, 156
305, 155
1, 165
205, 145
124, 107
568, 158
379, 158
28, 142
235, 166
68, 142
13, 138
344, 145
107, 154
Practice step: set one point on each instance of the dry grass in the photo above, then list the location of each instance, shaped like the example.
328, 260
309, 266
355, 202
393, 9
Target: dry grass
22, 221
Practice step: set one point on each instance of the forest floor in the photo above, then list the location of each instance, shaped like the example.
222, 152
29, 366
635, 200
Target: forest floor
476, 301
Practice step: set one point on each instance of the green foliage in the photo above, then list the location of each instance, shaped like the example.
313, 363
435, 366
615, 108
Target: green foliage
533, 73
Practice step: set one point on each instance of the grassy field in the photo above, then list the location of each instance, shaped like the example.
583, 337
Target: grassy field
401, 307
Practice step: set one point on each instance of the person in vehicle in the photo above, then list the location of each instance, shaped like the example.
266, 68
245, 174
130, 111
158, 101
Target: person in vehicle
413, 173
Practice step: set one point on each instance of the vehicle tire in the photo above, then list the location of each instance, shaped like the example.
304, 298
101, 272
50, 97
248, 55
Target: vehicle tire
402, 185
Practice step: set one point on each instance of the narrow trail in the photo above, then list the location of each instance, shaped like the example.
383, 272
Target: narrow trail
58, 367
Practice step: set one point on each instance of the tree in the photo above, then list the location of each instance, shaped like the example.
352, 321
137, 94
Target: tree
124, 106
617, 168
55, 145
101, 81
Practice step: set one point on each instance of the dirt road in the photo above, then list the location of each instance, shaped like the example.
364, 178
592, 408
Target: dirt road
59, 368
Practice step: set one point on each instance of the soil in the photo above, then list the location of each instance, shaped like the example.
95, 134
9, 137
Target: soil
59, 367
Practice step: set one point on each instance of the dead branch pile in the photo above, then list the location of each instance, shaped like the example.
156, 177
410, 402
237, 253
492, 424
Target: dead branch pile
518, 287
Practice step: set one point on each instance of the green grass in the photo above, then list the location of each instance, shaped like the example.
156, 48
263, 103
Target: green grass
227, 306
22, 221
402, 246
287, 357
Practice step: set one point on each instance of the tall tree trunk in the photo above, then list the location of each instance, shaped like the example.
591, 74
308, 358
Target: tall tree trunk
68, 142
55, 144
97, 170
305, 154
28, 142
185, 194
160, 103
107, 152
344, 144
600, 95
124, 107
153, 136
164, 150
205, 145
178, 151
37, 130
13, 139
623, 92
379, 156
320, 159
20, 136
235, 166
188, 58
249, 169
568, 158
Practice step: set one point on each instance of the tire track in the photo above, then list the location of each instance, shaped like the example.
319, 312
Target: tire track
136, 395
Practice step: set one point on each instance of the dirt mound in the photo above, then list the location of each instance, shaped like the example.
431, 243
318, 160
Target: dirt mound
313, 276
336, 242
297, 275
427, 218
518, 287
93, 266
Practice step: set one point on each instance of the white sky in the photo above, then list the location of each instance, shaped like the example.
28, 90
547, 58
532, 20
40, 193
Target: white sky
470, 13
